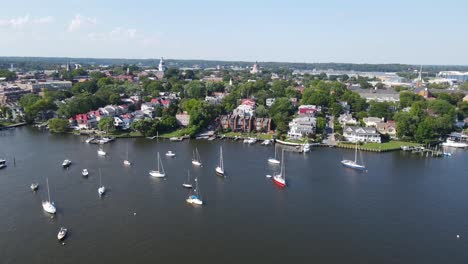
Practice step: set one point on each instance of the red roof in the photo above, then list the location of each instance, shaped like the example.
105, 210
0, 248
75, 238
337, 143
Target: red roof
155, 101
166, 102
250, 102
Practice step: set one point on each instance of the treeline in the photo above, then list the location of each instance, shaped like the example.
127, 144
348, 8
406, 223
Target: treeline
41, 63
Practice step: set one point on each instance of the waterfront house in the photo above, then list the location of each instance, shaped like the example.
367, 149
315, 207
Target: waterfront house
302, 126
372, 121
361, 134
387, 128
83, 121
347, 119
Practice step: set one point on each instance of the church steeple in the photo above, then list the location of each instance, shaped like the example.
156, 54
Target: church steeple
162, 66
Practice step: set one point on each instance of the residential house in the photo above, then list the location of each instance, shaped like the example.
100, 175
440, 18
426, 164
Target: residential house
262, 124
270, 101
183, 119
372, 121
309, 109
361, 134
83, 121
347, 119
302, 126
147, 109
387, 128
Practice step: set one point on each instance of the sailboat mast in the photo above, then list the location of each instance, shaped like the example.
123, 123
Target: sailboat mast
355, 154
221, 162
158, 161
100, 178
48, 191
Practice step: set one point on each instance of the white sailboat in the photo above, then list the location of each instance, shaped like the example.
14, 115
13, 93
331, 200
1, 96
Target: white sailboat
34, 186
170, 154
101, 152
160, 172
195, 198
275, 159
280, 179
102, 188
353, 164
196, 158
62, 233
187, 183
48, 205
220, 169
127, 162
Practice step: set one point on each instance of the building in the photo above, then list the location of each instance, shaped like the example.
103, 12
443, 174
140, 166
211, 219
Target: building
162, 65
302, 126
40, 87
11, 94
270, 101
361, 134
255, 68
183, 119
83, 121
309, 109
387, 128
244, 123
454, 75
347, 119
372, 121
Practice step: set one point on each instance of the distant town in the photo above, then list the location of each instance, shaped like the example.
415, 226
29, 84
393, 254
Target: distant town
378, 109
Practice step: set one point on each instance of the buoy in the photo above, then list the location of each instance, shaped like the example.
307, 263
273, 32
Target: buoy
458, 236
63, 243
134, 213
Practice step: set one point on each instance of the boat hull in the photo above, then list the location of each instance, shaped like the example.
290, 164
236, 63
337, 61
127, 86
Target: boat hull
455, 144
352, 165
49, 207
274, 161
196, 163
279, 181
127, 163
186, 185
219, 171
194, 200
157, 174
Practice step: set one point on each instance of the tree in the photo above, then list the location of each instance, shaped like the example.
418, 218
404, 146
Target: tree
106, 124
280, 112
464, 86
261, 111
9, 75
321, 124
195, 89
381, 109
58, 125
408, 98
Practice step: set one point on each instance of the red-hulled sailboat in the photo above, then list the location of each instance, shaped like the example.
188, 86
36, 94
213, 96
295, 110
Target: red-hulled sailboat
280, 179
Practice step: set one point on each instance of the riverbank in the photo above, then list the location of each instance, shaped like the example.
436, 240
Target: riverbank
392, 145
5, 124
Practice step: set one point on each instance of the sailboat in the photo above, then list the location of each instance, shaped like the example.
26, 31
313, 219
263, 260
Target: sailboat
34, 186
187, 184
101, 152
196, 158
127, 162
275, 159
195, 198
220, 169
353, 164
160, 172
62, 233
48, 206
280, 179
102, 189
66, 163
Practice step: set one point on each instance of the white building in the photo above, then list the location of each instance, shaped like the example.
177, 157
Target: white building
347, 119
361, 134
372, 121
302, 127
270, 101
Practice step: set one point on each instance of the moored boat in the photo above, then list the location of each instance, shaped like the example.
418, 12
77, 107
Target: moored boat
195, 198
34, 186
62, 233
66, 163
85, 172
220, 168
2, 163
187, 183
48, 205
353, 163
101, 152
170, 154
280, 178
196, 158
159, 173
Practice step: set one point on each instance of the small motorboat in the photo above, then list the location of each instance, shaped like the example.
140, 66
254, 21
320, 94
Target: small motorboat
34, 186
266, 142
66, 163
2, 163
127, 163
62, 233
170, 154
85, 172
101, 152
89, 140
268, 176
101, 190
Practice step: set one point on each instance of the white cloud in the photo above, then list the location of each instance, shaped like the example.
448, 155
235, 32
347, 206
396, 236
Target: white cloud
16, 22
80, 21
44, 20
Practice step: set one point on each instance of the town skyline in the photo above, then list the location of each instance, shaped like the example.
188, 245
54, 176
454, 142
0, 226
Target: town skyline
300, 32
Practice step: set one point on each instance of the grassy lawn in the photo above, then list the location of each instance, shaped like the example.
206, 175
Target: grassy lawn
177, 133
5, 123
391, 145
260, 136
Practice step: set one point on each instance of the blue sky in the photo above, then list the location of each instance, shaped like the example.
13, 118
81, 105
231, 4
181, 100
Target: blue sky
359, 31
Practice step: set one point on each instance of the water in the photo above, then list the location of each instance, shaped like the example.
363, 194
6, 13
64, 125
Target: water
405, 209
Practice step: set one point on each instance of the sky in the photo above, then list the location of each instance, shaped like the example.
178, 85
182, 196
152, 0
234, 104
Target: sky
358, 31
